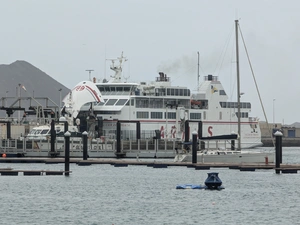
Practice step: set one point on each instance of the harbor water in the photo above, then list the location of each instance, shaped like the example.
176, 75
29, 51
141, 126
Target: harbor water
104, 194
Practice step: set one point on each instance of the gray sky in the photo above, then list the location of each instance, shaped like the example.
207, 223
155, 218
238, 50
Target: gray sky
65, 37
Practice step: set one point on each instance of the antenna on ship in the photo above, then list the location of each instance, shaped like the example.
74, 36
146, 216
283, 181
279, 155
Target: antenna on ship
116, 78
90, 72
126, 78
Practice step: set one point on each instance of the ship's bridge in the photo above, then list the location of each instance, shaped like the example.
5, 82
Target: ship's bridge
117, 88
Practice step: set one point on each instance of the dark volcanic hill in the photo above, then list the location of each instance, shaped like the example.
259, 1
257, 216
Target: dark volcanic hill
36, 82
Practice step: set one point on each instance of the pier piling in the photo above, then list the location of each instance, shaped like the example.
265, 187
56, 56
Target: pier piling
200, 127
278, 150
53, 136
194, 148
67, 153
85, 146
118, 138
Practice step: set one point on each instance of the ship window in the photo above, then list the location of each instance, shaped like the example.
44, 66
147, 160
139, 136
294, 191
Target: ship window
126, 88
119, 88
121, 102
243, 114
142, 103
249, 105
132, 102
172, 91
181, 92
113, 89
107, 88
107, 112
44, 131
111, 102
220, 116
35, 131
171, 115
176, 92
101, 89
142, 115
168, 92
156, 115
222, 92
185, 92
195, 116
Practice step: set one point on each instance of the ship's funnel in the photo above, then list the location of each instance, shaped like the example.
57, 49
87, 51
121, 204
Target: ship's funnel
84, 92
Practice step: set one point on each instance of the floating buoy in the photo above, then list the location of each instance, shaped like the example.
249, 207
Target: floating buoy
4, 155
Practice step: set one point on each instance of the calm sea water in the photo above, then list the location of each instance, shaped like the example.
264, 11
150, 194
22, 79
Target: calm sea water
103, 194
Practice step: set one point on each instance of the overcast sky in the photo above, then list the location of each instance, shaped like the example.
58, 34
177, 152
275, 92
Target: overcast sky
64, 38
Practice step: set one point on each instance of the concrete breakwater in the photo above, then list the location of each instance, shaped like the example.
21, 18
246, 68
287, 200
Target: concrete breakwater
286, 142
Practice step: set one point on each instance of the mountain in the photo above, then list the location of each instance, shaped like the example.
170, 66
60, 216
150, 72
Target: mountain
23, 79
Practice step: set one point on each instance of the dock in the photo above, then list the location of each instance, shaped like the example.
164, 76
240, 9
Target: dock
284, 168
12, 172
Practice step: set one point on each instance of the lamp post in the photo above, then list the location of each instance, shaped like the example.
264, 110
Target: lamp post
6, 98
19, 103
274, 112
59, 110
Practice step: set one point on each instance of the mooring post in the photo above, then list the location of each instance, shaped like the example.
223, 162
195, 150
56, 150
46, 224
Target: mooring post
85, 145
278, 148
118, 137
186, 133
67, 153
200, 135
66, 126
53, 136
194, 149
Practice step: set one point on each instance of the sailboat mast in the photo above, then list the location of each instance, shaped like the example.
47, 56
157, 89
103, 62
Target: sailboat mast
238, 83
198, 75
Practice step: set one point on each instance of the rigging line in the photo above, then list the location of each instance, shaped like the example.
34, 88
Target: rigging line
231, 72
232, 111
222, 55
256, 86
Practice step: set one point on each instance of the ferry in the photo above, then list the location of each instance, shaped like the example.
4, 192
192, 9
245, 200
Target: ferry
162, 108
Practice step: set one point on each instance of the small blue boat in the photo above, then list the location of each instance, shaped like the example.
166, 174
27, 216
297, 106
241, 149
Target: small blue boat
212, 182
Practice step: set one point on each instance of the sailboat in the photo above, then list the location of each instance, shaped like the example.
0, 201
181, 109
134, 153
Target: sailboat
233, 155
